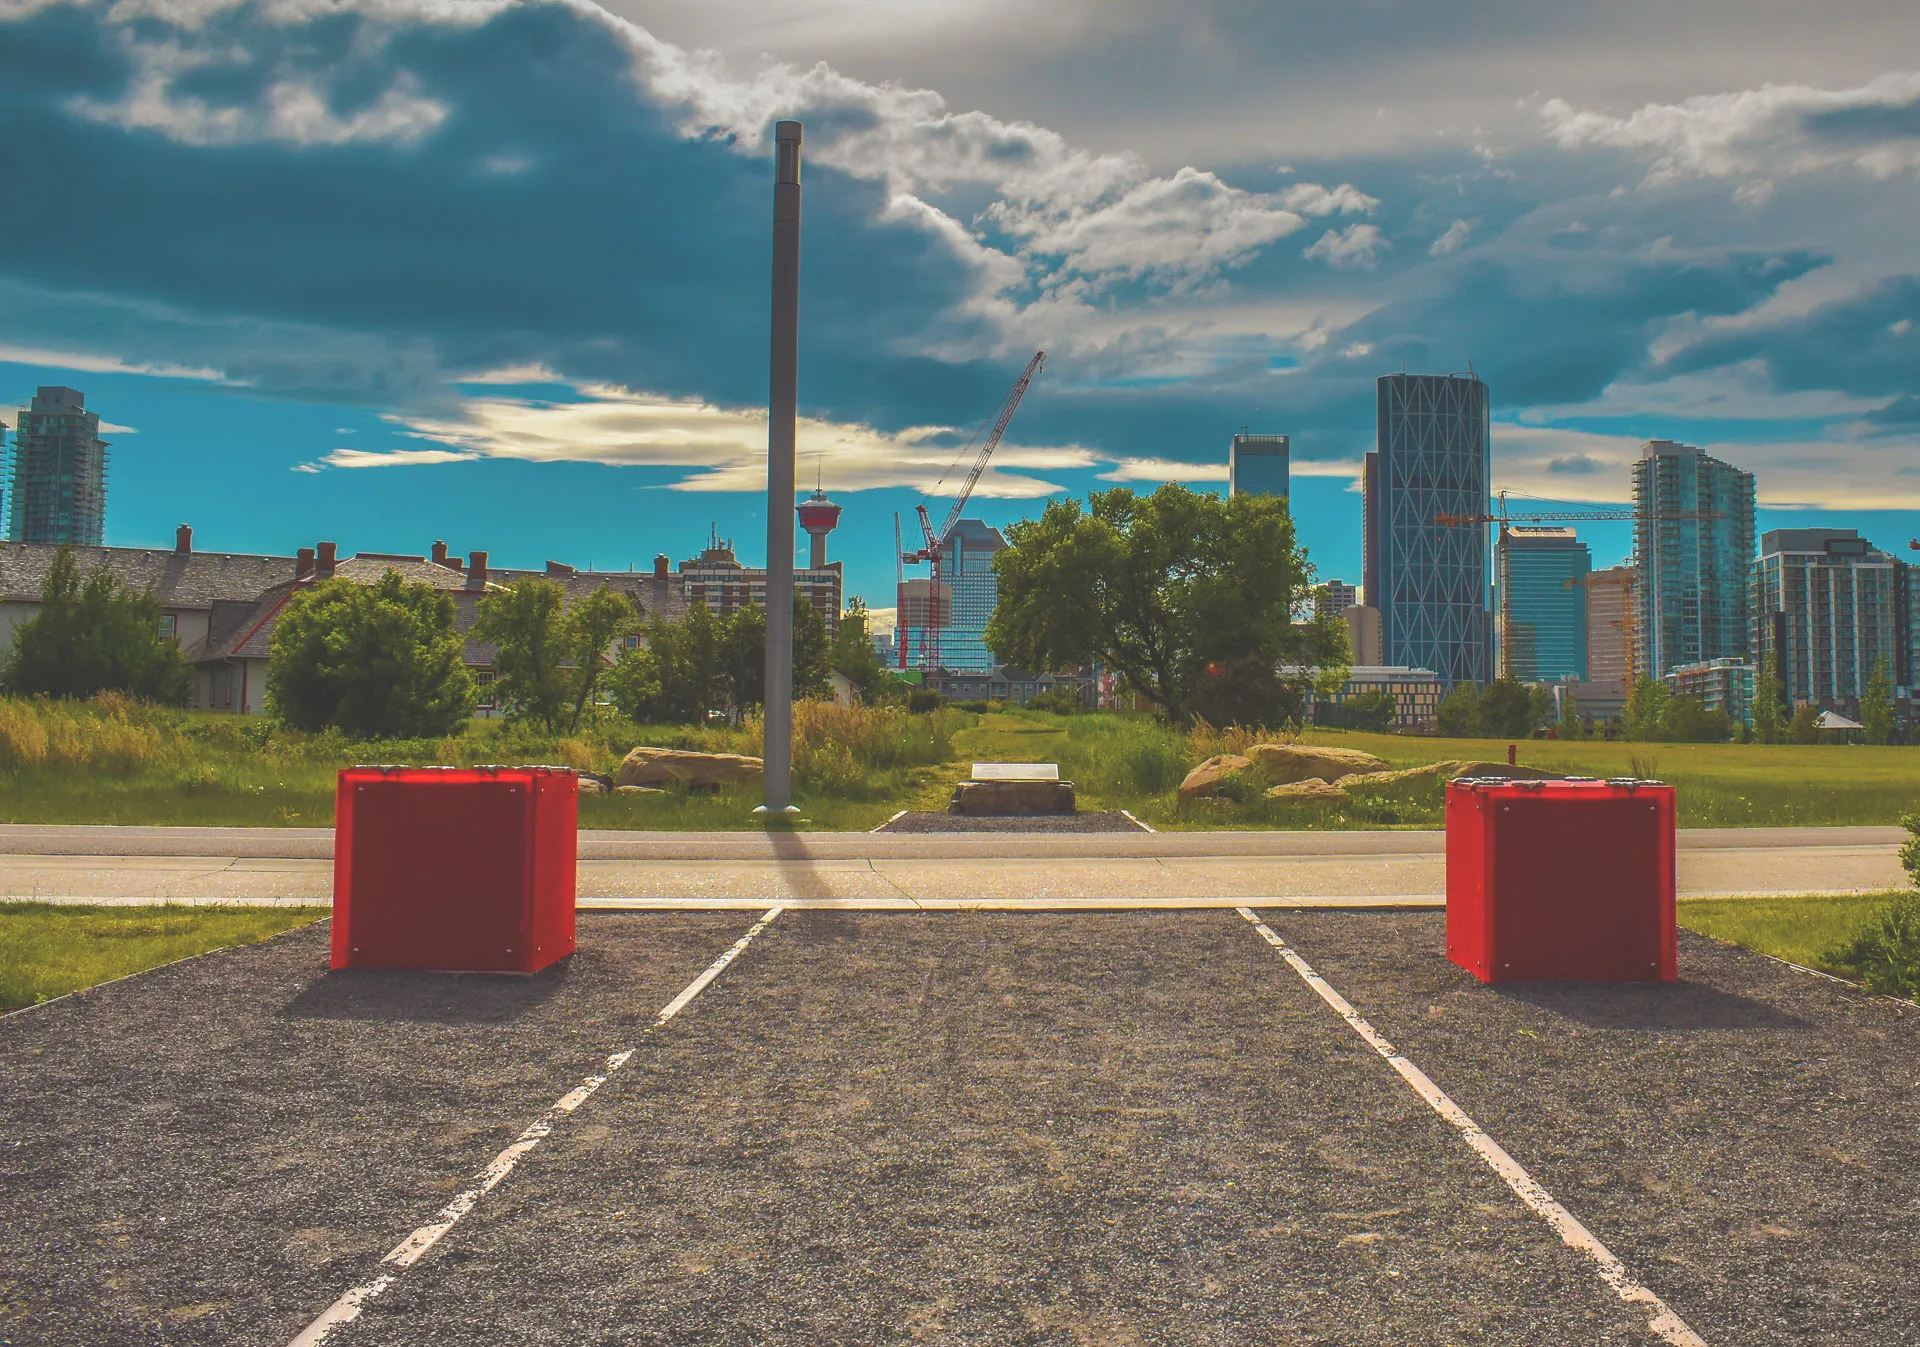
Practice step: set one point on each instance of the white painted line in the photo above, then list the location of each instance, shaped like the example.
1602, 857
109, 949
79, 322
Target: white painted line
415, 1246
898, 815
1144, 827
1666, 1325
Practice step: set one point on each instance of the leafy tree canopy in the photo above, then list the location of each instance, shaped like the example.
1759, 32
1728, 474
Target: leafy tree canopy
92, 636
375, 661
703, 663
1185, 596
1876, 705
550, 653
853, 653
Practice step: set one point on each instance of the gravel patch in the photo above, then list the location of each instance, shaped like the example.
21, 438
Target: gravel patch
931, 821
212, 1151
1743, 1138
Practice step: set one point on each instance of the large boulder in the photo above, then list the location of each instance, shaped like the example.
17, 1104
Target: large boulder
679, 766
1431, 774
1285, 763
1210, 775
1310, 791
1458, 767
1017, 799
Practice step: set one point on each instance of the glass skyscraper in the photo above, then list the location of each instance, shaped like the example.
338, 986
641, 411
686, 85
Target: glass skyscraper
1826, 606
1259, 465
57, 490
1428, 578
1544, 605
968, 592
1690, 595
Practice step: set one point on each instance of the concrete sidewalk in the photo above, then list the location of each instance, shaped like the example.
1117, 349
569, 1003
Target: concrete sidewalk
880, 871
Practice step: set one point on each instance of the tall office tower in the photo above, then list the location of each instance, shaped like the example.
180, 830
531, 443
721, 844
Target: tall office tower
1429, 579
1610, 625
58, 487
1691, 600
1823, 602
1906, 617
1333, 597
1370, 530
967, 594
1258, 465
1543, 604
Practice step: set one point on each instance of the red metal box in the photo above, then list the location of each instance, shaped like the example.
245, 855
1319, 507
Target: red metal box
1569, 880
465, 869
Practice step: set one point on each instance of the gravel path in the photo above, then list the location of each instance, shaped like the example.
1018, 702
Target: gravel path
931, 821
1113, 1128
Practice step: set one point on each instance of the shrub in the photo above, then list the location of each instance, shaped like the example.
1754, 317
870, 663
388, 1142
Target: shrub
1885, 954
1060, 701
924, 699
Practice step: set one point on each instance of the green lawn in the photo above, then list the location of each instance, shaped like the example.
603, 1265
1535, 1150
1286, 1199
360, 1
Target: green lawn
117, 762
49, 949
1801, 930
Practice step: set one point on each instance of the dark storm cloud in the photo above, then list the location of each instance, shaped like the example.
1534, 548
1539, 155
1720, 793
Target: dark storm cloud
1866, 344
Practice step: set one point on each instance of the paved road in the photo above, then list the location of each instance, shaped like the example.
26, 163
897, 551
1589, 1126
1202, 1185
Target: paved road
1125, 1128
884, 871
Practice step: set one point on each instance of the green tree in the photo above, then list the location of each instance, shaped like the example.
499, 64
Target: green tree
1804, 728
1373, 710
853, 653
1686, 720
1769, 725
94, 636
812, 650
527, 625
380, 660
1876, 705
1458, 715
551, 653
1646, 709
743, 659
1570, 726
1158, 588
1506, 710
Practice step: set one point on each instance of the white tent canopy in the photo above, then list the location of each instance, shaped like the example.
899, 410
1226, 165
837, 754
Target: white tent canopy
1831, 721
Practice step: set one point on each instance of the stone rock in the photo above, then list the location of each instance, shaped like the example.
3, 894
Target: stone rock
592, 785
1431, 774
1284, 763
1015, 798
1207, 777
679, 766
1458, 767
1311, 791
638, 790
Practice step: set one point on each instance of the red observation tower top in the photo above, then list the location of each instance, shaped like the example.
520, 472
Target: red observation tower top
818, 516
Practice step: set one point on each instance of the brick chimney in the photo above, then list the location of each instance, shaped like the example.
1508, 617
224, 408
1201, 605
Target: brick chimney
660, 564
183, 538
559, 568
439, 552
477, 570
324, 560
303, 563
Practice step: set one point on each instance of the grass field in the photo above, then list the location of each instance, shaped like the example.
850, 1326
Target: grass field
1800, 930
116, 762
47, 950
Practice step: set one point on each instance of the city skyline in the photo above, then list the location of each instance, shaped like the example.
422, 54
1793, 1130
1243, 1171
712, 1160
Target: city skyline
500, 339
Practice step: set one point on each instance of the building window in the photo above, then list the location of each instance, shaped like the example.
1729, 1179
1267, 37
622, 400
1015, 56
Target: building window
169, 627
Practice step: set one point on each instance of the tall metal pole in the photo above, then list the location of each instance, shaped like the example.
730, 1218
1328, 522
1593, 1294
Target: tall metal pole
782, 391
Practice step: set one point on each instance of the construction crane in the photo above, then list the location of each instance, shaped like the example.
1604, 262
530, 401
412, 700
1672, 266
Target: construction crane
934, 544
1506, 519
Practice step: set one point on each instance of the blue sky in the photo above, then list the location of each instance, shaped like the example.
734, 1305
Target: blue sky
385, 271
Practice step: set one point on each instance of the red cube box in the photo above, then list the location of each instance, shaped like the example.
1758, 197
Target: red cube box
467, 869
1565, 880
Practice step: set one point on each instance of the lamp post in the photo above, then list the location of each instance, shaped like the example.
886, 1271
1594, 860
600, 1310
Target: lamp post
782, 392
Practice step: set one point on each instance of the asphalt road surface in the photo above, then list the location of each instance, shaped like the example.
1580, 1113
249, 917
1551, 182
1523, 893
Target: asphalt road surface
1123, 1127
888, 870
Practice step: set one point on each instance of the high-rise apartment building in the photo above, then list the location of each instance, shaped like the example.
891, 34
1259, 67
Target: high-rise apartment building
1543, 604
1259, 465
718, 579
1428, 578
1693, 549
57, 490
966, 598
1333, 597
1610, 653
1824, 605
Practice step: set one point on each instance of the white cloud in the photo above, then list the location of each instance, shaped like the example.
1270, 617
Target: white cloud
725, 449
1452, 241
1163, 470
1357, 248
1777, 128
90, 363
109, 428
